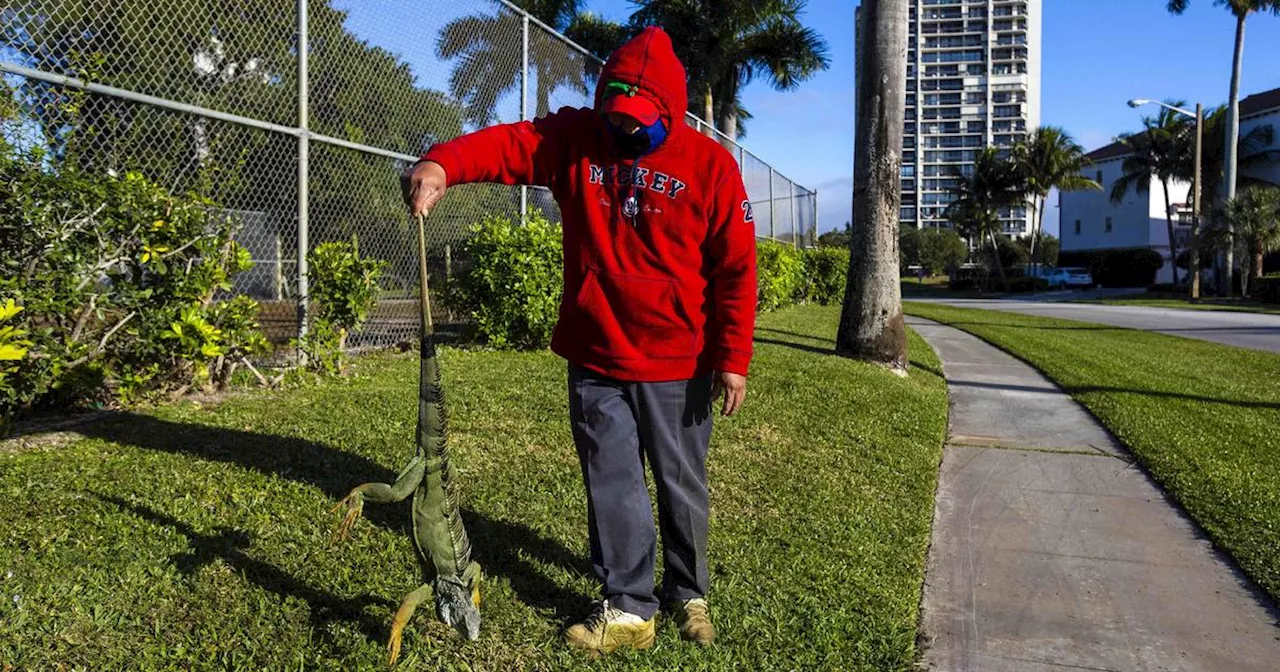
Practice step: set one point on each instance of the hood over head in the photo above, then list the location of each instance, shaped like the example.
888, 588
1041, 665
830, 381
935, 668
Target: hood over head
649, 63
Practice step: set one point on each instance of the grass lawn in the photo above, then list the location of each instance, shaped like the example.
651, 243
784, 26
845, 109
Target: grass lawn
1170, 300
199, 538
1203, 418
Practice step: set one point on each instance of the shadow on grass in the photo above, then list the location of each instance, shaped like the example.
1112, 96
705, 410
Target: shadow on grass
812, 349
1089, 389
830, 351
229, 545
498, 545
793, 334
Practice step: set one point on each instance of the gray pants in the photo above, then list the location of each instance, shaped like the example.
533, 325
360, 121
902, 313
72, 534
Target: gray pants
616, 425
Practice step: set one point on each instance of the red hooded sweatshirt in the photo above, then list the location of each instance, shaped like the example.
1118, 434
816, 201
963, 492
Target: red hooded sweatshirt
668, 293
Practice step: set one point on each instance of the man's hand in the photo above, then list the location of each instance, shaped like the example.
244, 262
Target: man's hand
422, 186
734, 388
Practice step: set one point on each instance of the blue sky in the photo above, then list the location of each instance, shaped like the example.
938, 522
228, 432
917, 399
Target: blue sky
1097, 54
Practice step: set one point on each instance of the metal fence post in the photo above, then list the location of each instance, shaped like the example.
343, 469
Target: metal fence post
795, 239
814, 235
524, 104
304, 163
773, 206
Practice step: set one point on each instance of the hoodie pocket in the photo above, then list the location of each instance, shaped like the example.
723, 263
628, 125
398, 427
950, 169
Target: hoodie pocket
637, 317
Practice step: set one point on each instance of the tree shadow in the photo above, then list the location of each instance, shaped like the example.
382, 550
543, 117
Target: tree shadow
927, 369
812, 349
503, 548
794, 334
1050, 388
230, 544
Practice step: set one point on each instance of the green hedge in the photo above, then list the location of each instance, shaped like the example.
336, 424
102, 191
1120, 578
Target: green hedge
1266, 289
826, 270
1129, 267
509, 278
509, 281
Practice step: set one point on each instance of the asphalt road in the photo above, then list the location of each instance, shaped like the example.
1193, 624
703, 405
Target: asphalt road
1243, 330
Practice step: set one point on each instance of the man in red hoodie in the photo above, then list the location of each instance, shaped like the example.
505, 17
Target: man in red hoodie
656, 319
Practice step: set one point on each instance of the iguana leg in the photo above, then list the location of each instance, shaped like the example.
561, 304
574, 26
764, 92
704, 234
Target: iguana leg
403, 614
379, 493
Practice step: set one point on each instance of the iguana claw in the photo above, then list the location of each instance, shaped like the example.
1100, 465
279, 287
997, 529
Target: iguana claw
453, 605
354, 501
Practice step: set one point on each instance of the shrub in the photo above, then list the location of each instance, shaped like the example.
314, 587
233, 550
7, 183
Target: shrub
779, 275
968, 279
825, 272
1267, 288
102, 267
1132, 267
509, 279
344, 290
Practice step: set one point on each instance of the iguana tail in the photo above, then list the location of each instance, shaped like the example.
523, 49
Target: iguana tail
438, 530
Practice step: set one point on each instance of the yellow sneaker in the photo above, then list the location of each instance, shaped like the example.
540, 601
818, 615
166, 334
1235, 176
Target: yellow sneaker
608, 629
694, 618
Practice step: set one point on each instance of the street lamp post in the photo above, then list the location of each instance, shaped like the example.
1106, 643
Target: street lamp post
1195, 190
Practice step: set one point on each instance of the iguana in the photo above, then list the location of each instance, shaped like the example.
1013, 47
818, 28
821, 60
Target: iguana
438, 532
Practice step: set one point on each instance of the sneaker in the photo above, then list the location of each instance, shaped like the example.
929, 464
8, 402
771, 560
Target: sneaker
608, 629
694, 619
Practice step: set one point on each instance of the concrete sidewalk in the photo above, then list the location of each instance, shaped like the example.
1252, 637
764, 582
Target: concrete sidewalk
1052, 551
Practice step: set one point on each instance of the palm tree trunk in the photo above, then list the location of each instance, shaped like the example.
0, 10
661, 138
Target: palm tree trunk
709, 112
1195, 257
872, 326
1044, 201
1035, 212
1168, 220
995, 253
728, 124
1233, 139
544, 96
1258, 256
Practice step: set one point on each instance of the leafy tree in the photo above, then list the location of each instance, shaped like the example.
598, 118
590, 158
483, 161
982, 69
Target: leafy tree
993, 183
1161, 152
240, 59
1046, 248
941, 250
837, 237
726, 45
489, 66
1050, 158
1254, 218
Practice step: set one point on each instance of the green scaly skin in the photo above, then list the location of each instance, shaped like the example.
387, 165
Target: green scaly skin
438, 531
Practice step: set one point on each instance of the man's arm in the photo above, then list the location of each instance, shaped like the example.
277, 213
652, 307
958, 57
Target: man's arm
526, 152
731, 251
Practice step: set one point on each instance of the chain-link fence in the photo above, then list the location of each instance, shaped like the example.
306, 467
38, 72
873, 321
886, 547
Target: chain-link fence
297, 117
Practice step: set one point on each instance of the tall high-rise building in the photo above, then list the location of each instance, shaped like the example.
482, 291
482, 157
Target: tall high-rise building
973, 80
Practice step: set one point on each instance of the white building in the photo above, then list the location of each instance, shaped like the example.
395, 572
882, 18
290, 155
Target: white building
973, 80
1090, 221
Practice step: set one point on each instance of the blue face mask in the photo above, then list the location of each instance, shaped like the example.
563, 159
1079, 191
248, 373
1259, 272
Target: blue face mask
643, 141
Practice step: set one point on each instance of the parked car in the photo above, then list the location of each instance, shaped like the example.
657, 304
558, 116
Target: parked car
1061, 278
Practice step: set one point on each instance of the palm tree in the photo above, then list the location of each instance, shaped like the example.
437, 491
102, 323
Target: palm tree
1050, 159
1255, 147
489, 67
1241, 9
725, 45
1162, 151
1254, 218
993, 183
872, 326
